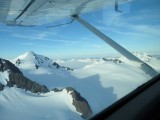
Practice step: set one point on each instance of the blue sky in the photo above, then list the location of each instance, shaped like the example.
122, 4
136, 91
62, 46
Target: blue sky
137, 28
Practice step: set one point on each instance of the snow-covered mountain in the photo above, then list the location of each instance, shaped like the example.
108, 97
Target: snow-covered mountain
38, 64
151, 60
100, 81
39, 68
11, 76
18, 95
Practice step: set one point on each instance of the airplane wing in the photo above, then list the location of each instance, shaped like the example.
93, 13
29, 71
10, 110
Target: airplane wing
38, 12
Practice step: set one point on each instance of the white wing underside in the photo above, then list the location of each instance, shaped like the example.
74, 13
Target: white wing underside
38, 12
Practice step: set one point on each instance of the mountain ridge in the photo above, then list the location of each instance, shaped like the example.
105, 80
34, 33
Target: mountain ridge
31, 60
16, 77
12, 77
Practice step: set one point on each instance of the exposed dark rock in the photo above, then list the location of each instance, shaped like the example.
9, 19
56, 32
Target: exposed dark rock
36, 66
80, 103
7, 65
1, 87
56, 64
46, 58
57, 90
18, 62
117, 61
67, 68
113, 60
16, 78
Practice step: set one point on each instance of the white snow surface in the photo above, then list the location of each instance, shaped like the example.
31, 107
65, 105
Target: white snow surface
16, 104
100, 82
147, 58
30, 60
76, 63
4, 77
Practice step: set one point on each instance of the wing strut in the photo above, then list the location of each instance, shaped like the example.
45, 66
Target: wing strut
145, 67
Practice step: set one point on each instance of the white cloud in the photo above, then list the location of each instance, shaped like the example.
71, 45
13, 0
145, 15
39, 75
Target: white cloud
135, 24
51, 36
44, 37
33, 34
29, 37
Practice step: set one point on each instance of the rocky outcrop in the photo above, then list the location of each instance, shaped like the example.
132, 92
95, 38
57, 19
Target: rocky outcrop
67, 68
36, 66
115, 60
57, 90
38, 61
20, 81
1, 87
80, 103
17, 79
7, 65
18, 62
58, 66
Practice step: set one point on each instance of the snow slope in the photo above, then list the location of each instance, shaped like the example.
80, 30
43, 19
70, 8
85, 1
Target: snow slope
4, 77
100, 82
16, 104
153, 61
41, 68
37, 64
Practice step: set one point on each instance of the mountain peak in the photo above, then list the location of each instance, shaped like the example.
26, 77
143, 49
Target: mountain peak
29, 53
37, 63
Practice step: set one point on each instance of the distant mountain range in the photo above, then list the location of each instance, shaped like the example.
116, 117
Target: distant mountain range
151, 60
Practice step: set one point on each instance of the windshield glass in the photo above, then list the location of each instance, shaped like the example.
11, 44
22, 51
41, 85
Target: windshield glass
61, 70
